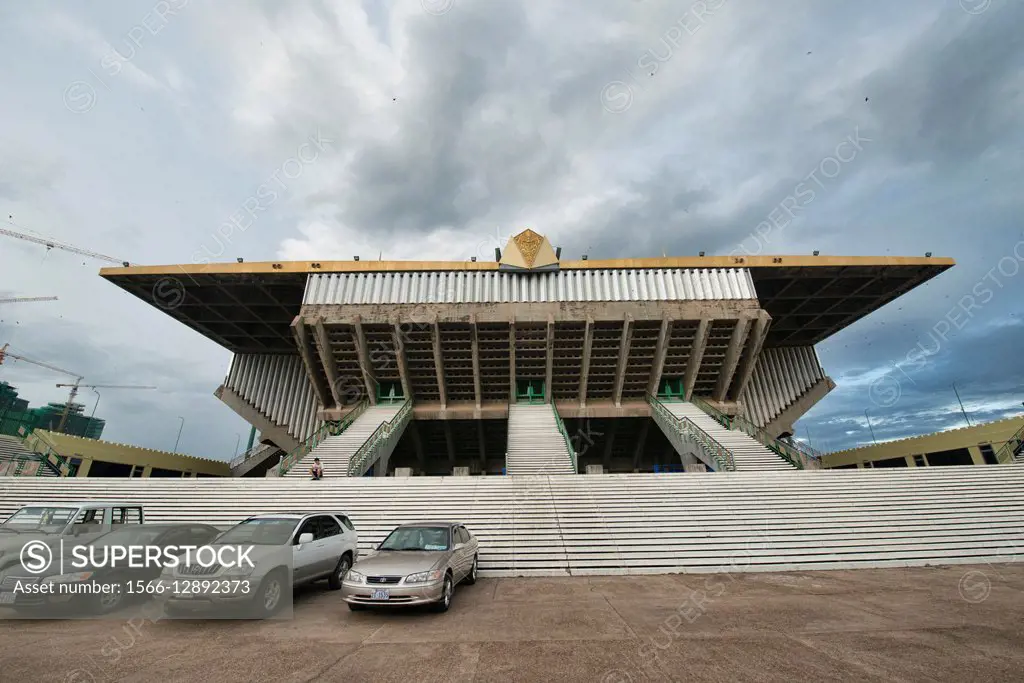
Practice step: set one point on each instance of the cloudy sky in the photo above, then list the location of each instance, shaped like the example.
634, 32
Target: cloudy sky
436, 128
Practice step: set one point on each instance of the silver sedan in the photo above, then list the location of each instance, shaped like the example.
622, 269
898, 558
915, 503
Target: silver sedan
417, 564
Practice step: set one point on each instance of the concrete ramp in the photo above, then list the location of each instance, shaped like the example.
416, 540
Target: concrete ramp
748, 453
535, 442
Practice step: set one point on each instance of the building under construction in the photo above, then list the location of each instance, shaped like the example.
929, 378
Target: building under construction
529, 363
17, 419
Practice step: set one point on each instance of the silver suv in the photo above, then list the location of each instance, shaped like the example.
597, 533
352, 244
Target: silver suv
322, 546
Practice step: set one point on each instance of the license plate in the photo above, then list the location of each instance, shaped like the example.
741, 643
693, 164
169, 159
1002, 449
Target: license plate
7, 598
381, 594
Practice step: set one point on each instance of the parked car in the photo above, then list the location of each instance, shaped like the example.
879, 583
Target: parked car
417, 564
103, 588
49, 523
290, 549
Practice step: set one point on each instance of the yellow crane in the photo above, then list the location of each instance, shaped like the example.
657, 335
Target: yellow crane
54, 244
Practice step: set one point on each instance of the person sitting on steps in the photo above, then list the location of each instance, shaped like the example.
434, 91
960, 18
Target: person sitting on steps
317, 470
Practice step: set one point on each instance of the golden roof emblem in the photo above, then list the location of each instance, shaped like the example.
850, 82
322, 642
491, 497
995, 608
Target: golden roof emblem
529, 251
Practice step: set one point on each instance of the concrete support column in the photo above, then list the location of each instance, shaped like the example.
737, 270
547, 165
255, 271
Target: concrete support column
449, 443
483, 447
369, 378
302, 342
620, 369
417, 443
323, 347
83, 467
732, 358
476, 360
147, 471
439, 365
588, 341
755, 341
551, 359
403, 368
700, 342
660, 352
640, 442
606, 457
512, 360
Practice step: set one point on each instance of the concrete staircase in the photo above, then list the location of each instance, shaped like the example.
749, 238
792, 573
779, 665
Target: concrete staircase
13, 450
630, 523
535, 444
748, 453
335, 452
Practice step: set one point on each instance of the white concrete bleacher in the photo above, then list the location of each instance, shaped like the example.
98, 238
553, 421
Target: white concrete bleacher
630, 523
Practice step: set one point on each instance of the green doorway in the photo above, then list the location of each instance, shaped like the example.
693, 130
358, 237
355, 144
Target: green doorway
389, 392
529, 391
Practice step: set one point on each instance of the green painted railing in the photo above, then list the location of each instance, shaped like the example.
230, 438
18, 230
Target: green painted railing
791, 453
370, 450
327, 429
568, 441
63, 465
720, 454
1005, 455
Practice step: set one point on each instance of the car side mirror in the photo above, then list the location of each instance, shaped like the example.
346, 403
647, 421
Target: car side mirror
305, 538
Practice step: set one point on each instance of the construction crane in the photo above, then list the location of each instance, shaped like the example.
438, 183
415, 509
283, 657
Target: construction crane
4, 353
27, 299
74, 392
54, 244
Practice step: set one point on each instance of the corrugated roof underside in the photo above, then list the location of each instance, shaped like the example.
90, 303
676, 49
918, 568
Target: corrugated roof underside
668, 284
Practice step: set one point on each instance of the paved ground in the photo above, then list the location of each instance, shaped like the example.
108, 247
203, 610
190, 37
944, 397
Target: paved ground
945, 623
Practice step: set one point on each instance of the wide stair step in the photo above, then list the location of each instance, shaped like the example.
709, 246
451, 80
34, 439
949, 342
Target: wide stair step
629, 523
535, 444
748, 453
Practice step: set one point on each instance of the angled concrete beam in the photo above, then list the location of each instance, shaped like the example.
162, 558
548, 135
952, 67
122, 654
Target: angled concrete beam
476, 359
364, 362
323, 347
755, 342
620, 369
439, 364
700, 342
551, 359
302, 341
588, 341
732, 358
403, 368
512, 361
660, 352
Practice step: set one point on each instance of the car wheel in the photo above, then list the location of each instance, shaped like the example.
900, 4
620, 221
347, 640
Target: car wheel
447, 589
105, 603
271, 594
334, 580
471, 577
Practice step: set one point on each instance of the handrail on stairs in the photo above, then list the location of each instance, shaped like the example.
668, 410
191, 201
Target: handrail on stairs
252, 452
63, 465
565, 435
1013, 446
367, 452
790, 452
325, 430
686, 427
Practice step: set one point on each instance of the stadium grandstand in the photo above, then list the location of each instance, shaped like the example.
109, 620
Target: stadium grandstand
583, 381
435, 368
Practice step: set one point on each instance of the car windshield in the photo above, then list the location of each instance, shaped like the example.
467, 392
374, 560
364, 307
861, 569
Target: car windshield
263, 531
133, 535
50, 519
417, 538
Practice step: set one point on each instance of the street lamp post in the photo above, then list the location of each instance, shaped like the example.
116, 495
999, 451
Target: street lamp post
179, 433
869, 426
98, 397
961, 405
